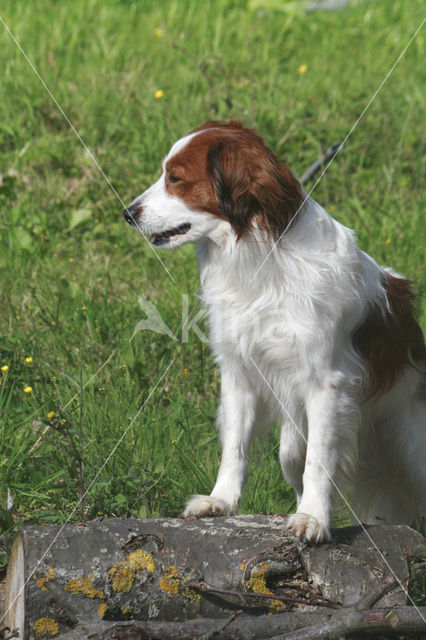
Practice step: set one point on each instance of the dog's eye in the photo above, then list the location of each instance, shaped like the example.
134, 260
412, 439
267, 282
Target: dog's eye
174, 178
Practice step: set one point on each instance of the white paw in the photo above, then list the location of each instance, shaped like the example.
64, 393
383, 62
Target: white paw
207, 506
308, 528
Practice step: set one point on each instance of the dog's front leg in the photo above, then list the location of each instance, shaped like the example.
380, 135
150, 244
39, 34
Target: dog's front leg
331, 454
235, 421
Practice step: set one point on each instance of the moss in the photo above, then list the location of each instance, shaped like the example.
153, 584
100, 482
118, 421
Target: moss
45, 627
84, 586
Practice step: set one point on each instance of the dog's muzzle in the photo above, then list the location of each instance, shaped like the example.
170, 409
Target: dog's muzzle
131, 213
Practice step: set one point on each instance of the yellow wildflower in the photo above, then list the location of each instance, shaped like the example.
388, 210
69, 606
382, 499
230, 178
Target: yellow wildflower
51, 415
28, 360
28, 389
5, 368
158, 94
158, 32
185, 372
303, 68
388, 241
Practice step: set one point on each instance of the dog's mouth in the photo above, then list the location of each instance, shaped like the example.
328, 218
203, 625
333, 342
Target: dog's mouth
158, 239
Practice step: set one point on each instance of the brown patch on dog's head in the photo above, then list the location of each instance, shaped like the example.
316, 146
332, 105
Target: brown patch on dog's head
228, 170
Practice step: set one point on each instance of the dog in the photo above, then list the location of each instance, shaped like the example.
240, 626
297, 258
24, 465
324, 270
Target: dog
306, 328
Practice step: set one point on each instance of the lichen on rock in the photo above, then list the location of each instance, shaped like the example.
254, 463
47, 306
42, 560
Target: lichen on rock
45, 628
84, 586
123, 572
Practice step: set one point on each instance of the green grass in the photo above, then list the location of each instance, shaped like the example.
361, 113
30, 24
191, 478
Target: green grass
72, 270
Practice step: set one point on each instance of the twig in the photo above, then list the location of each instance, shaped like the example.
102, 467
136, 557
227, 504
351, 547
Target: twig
223, 626
208, 588
370, 598
316, 166
398, 621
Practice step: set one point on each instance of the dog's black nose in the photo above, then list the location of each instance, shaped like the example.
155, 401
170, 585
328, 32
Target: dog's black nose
130, 215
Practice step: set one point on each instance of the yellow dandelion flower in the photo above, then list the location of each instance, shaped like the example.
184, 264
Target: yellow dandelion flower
158, 32
51, 415
158, 94
28, 360
28, 389
5, 368
303, 68
185, 372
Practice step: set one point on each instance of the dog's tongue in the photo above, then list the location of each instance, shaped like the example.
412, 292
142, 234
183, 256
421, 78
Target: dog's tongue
153, 238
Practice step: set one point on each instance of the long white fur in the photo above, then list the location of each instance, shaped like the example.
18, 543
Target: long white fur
281, 337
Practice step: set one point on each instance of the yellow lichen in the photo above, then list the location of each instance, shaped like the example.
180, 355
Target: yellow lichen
84, 586
102, 609
123, 572
122, 577
257, 580
41, 582
257, 584
45, 627
170, 580
140, 560
125, 610
190, 594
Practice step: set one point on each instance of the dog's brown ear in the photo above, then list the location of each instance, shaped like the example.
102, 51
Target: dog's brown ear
251, 184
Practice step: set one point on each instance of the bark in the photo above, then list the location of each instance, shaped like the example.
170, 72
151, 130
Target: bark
175, 578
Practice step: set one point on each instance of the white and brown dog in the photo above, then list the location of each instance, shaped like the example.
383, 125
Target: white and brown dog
306, 328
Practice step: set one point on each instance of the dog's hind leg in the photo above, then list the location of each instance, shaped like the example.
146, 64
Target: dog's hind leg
390, 485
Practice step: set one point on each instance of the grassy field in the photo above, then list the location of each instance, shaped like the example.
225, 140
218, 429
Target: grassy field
71, 270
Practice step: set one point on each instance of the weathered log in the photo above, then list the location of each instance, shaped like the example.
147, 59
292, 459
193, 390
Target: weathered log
174, 578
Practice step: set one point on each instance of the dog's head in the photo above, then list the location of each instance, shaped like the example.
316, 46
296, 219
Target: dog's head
217, 173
